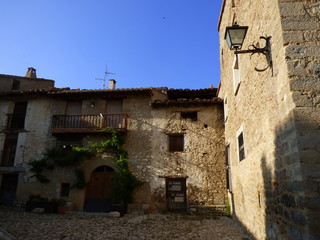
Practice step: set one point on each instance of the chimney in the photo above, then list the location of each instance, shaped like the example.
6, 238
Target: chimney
31, 73
112, 84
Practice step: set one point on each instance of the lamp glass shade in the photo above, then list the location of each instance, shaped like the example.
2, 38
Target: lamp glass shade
235, 36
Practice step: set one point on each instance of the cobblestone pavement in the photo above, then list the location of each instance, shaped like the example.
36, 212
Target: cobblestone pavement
80, 226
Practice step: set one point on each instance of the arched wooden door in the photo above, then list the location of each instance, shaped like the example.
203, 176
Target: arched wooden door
99, 189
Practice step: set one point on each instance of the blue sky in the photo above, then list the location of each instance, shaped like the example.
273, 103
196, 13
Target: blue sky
146, 43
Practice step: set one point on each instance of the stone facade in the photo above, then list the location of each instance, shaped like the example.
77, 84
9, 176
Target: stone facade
275, 188
9, 82
154, 114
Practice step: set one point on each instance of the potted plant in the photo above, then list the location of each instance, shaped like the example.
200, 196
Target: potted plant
61, 206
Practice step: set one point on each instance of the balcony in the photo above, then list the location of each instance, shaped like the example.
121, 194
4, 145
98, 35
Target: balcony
88, 123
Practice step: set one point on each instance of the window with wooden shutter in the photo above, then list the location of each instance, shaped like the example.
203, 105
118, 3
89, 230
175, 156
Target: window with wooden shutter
176, 142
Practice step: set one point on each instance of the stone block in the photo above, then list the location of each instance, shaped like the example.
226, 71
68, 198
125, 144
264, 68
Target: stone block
312, 170
114, 214
311, 185
294, 232
294, 186
292, 9
313, 9
292, 37
298, 217
308, 142
311, 36
313, 68
288, 200
300, 23
310, 156
304, 83
301, 100
314, 220
313, 203
301, 51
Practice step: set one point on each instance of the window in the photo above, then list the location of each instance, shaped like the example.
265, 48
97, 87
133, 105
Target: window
15, 85
176, 142
64, 189
114, 106
236, 75
9, 150
189, 115
73, 107
228, 168
225, 109
16, 120
241, 151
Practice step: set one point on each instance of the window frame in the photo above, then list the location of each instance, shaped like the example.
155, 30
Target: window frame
192, 115
225, 108
228, 167
173, 146
65, 189
241, 152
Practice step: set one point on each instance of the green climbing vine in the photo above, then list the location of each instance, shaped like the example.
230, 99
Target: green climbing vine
124, 181
55, 157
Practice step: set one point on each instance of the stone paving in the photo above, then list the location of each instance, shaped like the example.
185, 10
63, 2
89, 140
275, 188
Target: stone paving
20, 225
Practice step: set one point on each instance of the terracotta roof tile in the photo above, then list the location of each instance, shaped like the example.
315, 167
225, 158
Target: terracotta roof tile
186, 102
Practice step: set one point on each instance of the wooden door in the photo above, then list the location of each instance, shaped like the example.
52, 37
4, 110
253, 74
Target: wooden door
100, 185
8, 188
176, 194
99, 190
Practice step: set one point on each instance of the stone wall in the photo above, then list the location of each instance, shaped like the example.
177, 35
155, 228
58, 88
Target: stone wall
267, 192
301, 36
6, 82
201, 162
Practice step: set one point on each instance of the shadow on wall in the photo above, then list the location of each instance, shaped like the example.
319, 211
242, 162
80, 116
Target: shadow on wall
290, 195
286, 210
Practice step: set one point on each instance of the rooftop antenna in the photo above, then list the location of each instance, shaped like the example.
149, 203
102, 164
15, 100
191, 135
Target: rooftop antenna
106, 73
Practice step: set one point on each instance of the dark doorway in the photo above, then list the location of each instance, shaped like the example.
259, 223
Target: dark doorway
8, 188
19, 115
99, 189
9, 150
176, 194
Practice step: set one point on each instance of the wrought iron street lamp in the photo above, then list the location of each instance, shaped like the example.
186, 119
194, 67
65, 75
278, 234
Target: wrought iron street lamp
235, 36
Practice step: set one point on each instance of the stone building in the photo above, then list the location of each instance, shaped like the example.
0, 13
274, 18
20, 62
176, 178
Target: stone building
174, 139
272, 117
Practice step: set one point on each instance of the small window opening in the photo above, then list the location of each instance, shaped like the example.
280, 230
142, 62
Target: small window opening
15, 85
64, 189
228, 168
236, 74
241, 147
189, 115
176, 142
225, 108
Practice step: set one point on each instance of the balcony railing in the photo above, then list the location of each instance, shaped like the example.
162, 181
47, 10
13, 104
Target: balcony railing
88, 123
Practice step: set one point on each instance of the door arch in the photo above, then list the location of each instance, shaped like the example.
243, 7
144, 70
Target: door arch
99, 190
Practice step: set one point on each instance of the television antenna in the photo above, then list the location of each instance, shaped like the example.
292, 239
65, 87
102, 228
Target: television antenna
106, 73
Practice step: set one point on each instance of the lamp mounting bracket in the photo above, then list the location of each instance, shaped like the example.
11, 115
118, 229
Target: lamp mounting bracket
266, 51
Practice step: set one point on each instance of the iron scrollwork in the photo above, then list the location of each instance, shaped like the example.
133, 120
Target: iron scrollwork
266, 51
